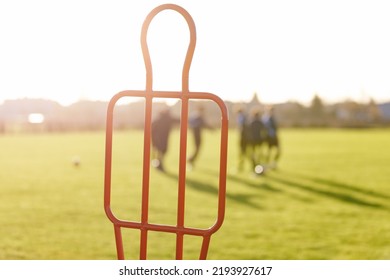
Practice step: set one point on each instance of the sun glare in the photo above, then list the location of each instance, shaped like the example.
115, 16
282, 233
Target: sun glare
36, 118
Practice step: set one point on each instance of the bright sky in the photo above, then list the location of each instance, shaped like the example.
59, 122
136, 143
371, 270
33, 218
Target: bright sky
282, 49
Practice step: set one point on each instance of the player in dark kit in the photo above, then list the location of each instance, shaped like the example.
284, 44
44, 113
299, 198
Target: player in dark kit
244, 137
256, 140
272, 140
197, 124
161, 128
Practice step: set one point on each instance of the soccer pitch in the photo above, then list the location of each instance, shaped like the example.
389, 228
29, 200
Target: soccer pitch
328, 199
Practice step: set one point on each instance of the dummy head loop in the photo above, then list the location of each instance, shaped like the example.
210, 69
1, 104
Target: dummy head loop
190, 50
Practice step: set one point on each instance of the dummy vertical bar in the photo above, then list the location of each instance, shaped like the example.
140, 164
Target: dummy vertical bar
146, 177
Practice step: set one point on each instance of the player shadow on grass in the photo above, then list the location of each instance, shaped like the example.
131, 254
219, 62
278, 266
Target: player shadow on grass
262, 186
342, 197
340, 185
279, 177
213, 190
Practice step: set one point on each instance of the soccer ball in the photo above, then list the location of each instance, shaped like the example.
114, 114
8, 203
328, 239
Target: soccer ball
76, 161
259, 169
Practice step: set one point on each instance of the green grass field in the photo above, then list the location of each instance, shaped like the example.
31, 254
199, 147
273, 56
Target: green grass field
329, 198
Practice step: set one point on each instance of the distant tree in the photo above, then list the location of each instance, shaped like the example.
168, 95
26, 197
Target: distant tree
374, 114
317, 111
317, 106
291, 114
255, 99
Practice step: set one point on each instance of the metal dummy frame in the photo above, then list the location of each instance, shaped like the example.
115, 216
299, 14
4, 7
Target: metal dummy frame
185, 95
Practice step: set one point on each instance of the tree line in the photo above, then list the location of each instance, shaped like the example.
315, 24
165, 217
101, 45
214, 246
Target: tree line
91, 115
